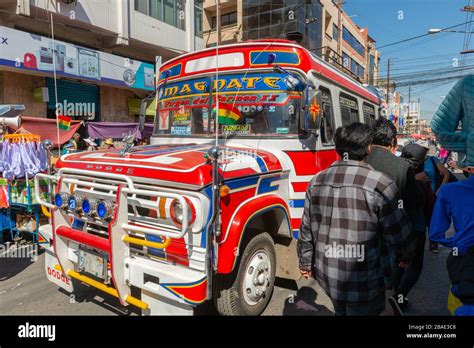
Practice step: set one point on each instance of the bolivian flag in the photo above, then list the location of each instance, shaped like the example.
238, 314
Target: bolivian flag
64, 122
228, 114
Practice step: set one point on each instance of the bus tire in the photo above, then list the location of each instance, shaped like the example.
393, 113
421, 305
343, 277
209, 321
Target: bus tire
248, 289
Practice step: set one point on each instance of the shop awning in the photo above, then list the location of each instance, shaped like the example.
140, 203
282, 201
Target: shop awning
134, 106
47, 129
117, 130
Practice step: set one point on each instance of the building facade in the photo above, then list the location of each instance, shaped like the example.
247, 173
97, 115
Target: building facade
346, 45
103, 54
322, 25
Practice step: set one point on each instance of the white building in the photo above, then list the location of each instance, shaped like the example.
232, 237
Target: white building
104, 51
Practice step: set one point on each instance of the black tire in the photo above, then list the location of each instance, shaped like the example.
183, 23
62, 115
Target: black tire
228, 288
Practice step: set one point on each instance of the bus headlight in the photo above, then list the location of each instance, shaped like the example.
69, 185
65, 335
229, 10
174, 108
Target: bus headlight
176, 211
105, 209
89, 206
61, 200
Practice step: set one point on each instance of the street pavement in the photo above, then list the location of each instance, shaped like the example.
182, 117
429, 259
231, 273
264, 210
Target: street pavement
24, 290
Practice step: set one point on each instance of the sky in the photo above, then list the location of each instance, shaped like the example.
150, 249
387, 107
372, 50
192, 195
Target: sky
390, 21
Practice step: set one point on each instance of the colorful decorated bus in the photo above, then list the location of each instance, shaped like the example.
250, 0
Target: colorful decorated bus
200, 216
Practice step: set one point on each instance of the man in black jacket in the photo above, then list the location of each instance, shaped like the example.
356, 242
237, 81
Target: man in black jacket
383, 159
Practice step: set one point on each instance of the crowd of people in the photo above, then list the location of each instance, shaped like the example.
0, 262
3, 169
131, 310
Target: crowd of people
384, 205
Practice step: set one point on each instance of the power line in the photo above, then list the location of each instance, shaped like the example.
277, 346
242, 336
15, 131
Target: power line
420, 36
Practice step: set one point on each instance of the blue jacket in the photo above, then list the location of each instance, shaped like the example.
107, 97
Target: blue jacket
457, 108
454, 204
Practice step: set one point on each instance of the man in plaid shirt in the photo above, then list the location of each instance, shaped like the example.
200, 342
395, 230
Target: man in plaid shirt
351, 225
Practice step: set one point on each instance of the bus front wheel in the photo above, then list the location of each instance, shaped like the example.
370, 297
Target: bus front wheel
247, 290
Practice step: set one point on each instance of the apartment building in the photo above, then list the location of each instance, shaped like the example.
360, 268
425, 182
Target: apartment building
321, 25
346, 45
103, 53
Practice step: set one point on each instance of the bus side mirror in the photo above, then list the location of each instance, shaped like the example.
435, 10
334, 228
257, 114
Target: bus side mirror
313, 112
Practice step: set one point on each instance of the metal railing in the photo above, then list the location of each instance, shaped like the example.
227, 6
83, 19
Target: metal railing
131, 193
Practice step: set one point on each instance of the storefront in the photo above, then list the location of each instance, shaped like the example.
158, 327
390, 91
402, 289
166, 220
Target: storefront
91, 85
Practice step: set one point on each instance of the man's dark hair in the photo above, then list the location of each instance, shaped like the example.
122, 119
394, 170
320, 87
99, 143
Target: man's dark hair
385, 132
352, 141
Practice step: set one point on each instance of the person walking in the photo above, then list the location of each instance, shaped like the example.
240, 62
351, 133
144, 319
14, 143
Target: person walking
405, 278
383, 159
351, 223
454, 206
438, 176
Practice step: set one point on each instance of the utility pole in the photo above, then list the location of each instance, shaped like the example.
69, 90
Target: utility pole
218, 22
388, 81
409, 102
339, 25
419, 112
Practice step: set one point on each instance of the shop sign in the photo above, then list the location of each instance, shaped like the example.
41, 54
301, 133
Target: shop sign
25, 51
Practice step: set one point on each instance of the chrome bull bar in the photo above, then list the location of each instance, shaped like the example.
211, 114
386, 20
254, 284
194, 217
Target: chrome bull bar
129, 190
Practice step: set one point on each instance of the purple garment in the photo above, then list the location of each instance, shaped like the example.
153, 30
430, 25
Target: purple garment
6, 157
42, 157
28, 159
32, 151
17, 168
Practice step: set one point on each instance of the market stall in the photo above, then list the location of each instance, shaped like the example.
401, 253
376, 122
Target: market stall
23, 156
46, 128
117, 130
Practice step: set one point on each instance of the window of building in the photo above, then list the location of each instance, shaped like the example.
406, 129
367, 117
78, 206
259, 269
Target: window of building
141, 6
168, 11
349, 109
352, 41
346, 60
335, 32
156, 9
198, 19
352, 65
226, 19
327, 21
369, 113
327, 121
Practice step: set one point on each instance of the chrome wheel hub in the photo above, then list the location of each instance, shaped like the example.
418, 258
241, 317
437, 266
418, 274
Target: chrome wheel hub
257, 277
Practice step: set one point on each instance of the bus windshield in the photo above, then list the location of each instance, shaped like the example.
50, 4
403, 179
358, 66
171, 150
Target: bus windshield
251, 104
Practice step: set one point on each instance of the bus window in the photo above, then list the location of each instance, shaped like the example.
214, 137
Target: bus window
369, 113
250, 104
349, 109
327, 124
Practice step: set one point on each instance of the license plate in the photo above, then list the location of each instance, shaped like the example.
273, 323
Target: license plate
93, 264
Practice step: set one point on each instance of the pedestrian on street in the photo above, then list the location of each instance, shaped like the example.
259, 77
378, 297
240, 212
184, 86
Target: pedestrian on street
438, 176
351, 207
383, 159
454, 205
405, 278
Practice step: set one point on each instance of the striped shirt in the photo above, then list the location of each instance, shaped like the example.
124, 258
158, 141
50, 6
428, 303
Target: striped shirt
351, 225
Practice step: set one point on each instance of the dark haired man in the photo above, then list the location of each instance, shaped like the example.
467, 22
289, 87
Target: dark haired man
348, 208
383, 159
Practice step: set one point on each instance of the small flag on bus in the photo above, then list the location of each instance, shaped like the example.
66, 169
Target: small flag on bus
64, 122
228, 114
